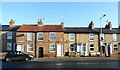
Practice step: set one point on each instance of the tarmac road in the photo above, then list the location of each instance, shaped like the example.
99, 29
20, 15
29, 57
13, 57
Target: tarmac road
72, 62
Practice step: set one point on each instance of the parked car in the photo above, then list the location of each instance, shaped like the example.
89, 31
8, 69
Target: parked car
18, 55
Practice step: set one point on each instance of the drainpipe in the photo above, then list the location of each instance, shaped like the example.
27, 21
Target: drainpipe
76, 43
35, 43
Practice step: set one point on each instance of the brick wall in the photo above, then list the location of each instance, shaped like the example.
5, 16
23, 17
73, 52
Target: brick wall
22, 39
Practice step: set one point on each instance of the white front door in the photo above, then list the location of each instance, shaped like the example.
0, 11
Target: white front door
82, 49
20, 47
59, 50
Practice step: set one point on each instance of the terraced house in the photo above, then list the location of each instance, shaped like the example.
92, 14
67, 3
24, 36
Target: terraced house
41, 40
81, 40
56, 40
8, 36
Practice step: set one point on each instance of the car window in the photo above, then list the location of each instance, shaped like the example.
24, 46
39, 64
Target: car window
12, 53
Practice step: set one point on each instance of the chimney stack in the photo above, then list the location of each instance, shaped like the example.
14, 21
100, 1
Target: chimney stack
91, 25
109, 25
62, 24
11, 23
40, 22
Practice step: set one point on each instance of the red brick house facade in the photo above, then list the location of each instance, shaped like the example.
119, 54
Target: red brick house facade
41, 40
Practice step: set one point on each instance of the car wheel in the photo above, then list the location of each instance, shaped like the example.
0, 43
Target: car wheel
8, 59
27, 59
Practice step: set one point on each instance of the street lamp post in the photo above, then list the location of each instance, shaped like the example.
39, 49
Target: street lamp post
101, 33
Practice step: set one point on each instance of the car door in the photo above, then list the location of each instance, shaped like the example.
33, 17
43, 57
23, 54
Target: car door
19, 56
13, 55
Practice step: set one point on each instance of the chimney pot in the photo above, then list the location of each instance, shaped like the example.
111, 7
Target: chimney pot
11, 23
62, 24
40, 22
109, 25
91, 25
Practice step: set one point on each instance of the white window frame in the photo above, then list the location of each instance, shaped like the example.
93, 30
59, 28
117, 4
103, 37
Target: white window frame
40, 36
114, 37
72, 47
31, 38
51, 47
9, 46
71, 36
21, 46
29, 47
115, 47
91, 36
102, 35
9, 36
92, 47
52, 36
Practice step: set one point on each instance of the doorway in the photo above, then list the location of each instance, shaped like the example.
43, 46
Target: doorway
41, 52
82, 49
108, 49
59, 50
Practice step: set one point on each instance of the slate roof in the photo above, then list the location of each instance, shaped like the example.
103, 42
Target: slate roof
58, 28
3, 27
8, 28
43, 28
88, 30
109, 31
80, 30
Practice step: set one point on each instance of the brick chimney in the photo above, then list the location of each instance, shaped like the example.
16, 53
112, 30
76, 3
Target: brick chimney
40, 22
62, 24
109, 25
91, 25
11, 23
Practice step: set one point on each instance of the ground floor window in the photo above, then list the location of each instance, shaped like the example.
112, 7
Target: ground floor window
9, 46
20, 47
52, 47
72, 48
115, 47
91, 47
30, 48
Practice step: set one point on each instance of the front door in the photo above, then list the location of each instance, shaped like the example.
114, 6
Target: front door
40, 51
59, 50
82, 49
108, 49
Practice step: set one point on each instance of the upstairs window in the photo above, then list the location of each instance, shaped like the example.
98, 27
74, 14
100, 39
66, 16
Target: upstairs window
102, 37
52, 36
71, 36
115, 47
91, 37
29, 36
9, 46
91, 47
9, 35
40, 36
52, 47
114, 37
30, 48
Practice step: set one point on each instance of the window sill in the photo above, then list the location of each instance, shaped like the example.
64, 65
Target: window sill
91, 40
114, 40
52, 51
29, 51
71, 40
39, 40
